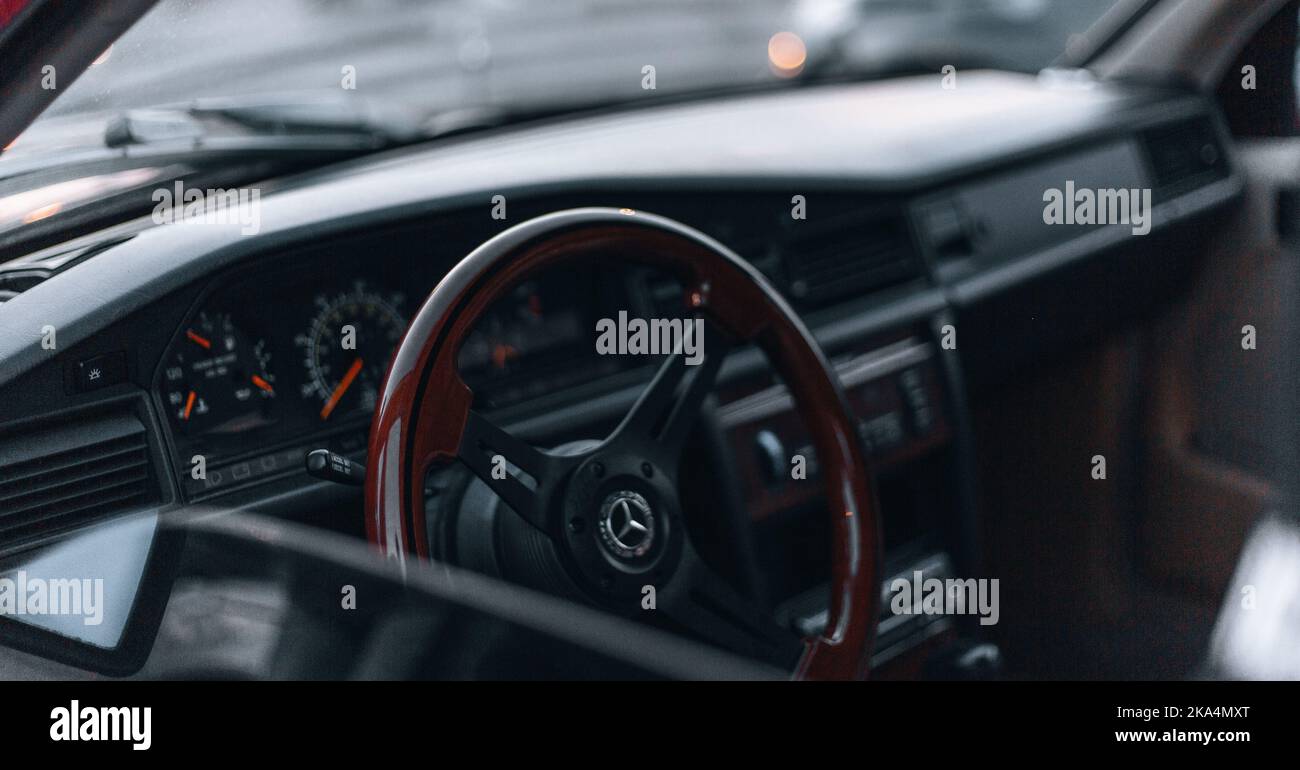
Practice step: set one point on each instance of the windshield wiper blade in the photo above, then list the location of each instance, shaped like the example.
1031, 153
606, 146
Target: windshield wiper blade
264, 123
207, 133
298, 130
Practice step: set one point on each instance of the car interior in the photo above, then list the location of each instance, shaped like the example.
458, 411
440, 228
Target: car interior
374, 368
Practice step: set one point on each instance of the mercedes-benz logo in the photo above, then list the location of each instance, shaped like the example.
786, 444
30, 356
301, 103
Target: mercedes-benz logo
627, 525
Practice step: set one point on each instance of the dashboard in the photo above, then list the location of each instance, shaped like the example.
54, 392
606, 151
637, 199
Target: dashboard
241, 354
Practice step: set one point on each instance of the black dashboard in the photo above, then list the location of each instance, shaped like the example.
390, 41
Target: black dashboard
227, 350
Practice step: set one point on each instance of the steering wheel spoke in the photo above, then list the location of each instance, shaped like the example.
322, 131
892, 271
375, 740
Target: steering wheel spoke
703, 602
521, 474
663, 415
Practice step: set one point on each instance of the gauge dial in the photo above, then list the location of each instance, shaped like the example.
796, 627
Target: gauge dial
347, 348
217, 380
516, 330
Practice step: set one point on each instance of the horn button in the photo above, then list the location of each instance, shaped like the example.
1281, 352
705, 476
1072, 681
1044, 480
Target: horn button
626, 524
622, 524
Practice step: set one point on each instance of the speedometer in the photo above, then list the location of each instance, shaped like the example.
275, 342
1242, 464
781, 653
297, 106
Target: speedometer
347, 347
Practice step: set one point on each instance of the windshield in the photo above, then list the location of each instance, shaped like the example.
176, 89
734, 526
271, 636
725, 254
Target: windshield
529, 54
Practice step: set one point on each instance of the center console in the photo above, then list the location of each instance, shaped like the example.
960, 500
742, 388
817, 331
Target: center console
901, 388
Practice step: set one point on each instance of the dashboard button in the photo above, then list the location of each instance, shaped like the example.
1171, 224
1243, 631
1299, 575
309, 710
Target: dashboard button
229, 476
101, 372
771, 457
920, 412
883, 433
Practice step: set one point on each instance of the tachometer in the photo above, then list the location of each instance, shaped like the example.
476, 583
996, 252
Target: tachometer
217, 380
347, 348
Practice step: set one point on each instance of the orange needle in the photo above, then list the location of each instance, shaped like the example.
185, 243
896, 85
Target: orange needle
501, 355
189, 406
263, 384
342, 388
203, 342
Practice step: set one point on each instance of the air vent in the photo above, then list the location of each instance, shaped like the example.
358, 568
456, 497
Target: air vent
854, 255
1182, 157
15, 282
56, 478
22, 273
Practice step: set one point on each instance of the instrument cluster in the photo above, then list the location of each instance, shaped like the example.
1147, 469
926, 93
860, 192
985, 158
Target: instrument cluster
230, 376
284, 360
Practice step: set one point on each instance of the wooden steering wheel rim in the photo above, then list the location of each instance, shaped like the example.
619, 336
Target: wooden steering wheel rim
424, 404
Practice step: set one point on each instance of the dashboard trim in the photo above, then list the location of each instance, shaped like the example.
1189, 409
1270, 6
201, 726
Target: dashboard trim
856, 371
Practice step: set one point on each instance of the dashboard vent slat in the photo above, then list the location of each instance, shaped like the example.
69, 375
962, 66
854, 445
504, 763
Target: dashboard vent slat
111, 454
58, 476
849, 256
62, 490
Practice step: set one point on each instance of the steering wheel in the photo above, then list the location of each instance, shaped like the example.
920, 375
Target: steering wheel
605, 517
